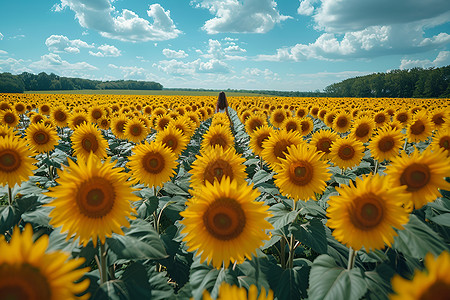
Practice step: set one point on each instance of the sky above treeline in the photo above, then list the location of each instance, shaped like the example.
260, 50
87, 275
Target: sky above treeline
295, 45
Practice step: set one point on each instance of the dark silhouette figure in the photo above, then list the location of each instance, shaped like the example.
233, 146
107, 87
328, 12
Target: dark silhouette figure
222, 104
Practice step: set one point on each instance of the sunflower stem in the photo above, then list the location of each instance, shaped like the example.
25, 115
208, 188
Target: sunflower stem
282, 253
50, 170
103, 265
405, 144
292, 241
377, 163
10, 200
351, 258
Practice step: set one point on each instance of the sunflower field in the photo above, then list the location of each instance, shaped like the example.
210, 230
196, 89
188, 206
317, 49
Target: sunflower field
160, 197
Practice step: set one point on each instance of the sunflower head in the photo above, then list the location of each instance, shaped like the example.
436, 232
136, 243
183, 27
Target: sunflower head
118, 126
27, 271
173, 138
41, 138
420, 127
16, 161
9, 118
135, 130
92, 200
278, 116
258, 137
276, 145
362, 129
442, 140
346, 152
224, 223
87, 139
218, 135
60, 116
342, 122
254, 122
386, 144
366, 212
322, 141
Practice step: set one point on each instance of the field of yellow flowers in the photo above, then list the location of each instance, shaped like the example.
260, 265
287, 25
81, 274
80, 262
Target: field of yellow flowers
159, 197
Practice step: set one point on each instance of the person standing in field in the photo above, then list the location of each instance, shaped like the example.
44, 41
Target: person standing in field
222, 104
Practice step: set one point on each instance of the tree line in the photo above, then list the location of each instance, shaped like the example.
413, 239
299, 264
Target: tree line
10, 83
412, 83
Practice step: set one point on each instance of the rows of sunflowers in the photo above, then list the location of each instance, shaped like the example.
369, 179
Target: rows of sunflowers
159, 197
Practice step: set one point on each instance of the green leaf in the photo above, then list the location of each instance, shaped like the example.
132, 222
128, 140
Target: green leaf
174, 189
328, 281
311, 234
206, 277
417, 239
147, 207
7, 218
139, 242
159, 284
112, 290
342, 178
443, 219
261, 177
39, 216
282, 215
253, 273
378, 286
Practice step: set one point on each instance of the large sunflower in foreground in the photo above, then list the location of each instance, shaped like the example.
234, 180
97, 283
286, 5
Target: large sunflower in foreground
276, 145
346, 152
423, 174
173, 138
28, 272
227, 292
224, 223
92, 200
386, 144
152, 163
16, 161
433, 283
365, 213
322, 141
302, 174
41, 138
215, 164
218, 135
87, 138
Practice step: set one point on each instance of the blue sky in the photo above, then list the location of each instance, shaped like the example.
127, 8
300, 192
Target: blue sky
299, 45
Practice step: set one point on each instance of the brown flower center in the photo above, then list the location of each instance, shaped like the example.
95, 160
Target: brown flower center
41, 137
9, 160
224, 219
95, 197
415, 177
362, 130
444, 142
96, 114
279, 117
324, 145
386, 144
367, 211
291, 126
261, 138
438, 119
305, 126
218, 169
153, 162
346, 152
9, 118
89, 143
417, 128
280, 148
136, 130
255, 123
171, 142
60, 116
402, 117
342, 122
380, 118
439, 290
218, 139
301, 173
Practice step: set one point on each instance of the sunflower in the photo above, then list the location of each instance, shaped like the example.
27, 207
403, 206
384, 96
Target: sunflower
346, 152
364, 213
234, 292
28, 272
254, 122
386, 144
161, 122
9, 117
118, 126
362, 129
218, 135
277, 117
441, 140
432, 283
6, 130
403, 117
16, 161
322, 141
307, 126
20, 108
60, 116
135, 130
423, 174
275, 146
195, 120
93, 200
224, 223
37, 118
291, 124
41, 138
76, 119
342, 122
301, 112
104, 123
380, 118
95, 113
258, 137
329, 118
87, 139
184, 124
172, 138
302, 174
314, 112
152, 163
420, 128
44, 109
215, 164
438, 118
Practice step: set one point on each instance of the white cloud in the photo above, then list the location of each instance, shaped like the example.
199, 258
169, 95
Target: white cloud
53, 63
175, 67
3, 52
106, 50
1, 36
306, 7
255, 72
354, 15
252, 16
442, 59
14, 66
213, 66
101, 16
169, 53
61, 43
216, 51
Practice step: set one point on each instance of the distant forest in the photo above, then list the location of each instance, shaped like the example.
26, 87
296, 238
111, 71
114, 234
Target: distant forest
50, 82
412, 83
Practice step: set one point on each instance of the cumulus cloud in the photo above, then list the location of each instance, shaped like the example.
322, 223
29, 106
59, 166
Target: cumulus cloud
215, 50
442, 59
3, 52
106, 50
54, 63
126, 25
61, 43
14, 66
246, 16
255, 72
169, 53
175, 67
